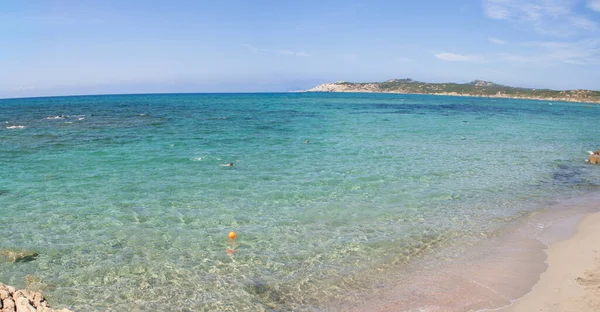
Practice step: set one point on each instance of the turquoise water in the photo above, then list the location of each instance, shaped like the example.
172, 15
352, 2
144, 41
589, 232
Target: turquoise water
126, 201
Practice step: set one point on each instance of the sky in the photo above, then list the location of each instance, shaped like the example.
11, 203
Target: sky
52, 47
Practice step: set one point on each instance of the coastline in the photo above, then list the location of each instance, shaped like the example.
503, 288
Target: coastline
572, 280
405, 210
570, 100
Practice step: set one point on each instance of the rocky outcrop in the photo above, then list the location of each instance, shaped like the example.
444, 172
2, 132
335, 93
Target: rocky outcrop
20, 300
482, 83
342, 86
594, 157
18, 255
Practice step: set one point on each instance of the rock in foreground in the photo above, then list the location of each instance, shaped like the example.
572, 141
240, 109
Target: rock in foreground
17, 300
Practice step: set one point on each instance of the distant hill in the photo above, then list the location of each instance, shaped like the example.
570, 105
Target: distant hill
477, 88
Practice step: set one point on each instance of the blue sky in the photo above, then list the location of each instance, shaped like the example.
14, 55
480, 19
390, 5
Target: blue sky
90, 47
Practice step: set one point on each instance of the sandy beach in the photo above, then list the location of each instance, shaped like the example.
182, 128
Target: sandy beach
550, 262
572, 280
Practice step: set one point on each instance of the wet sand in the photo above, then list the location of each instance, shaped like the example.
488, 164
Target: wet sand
572, 281
549, 259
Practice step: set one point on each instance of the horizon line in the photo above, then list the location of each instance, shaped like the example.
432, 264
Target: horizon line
143, 93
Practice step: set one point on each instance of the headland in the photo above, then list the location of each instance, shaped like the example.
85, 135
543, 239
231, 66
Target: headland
476, 88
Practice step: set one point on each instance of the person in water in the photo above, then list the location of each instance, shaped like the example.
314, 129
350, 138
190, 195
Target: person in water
227, 165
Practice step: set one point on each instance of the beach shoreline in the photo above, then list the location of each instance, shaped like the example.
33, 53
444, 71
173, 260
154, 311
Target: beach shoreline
519, 270
572, 280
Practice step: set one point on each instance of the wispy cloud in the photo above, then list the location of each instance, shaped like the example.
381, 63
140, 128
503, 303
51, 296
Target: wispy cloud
496, 40
294, 53
594, 5
403, 60
453, 57
497, 10
547, 44
549, 17
583, 52
544, 53
254, 50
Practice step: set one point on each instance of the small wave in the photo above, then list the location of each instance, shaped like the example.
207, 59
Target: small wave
56, 117
15, 127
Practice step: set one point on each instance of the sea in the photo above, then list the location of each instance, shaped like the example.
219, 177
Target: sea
332, 195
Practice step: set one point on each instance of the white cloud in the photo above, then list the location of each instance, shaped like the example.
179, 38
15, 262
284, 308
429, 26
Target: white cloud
453, 57
594, 5
549, 17
496, 40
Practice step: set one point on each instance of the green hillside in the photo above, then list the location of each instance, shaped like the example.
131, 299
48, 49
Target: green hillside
474, 88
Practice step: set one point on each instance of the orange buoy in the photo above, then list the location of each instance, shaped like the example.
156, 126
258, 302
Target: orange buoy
232, 235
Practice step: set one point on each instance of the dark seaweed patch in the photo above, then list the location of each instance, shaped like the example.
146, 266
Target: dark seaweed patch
265, 293
567, 175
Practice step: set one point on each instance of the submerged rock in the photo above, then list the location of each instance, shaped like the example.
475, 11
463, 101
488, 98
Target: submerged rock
14, 255
35, 283
13, 300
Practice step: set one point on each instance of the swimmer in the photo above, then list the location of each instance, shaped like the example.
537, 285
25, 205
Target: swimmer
230, 251
227, 165
306, 141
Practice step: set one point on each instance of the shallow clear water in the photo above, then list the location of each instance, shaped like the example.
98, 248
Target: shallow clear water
127, 203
